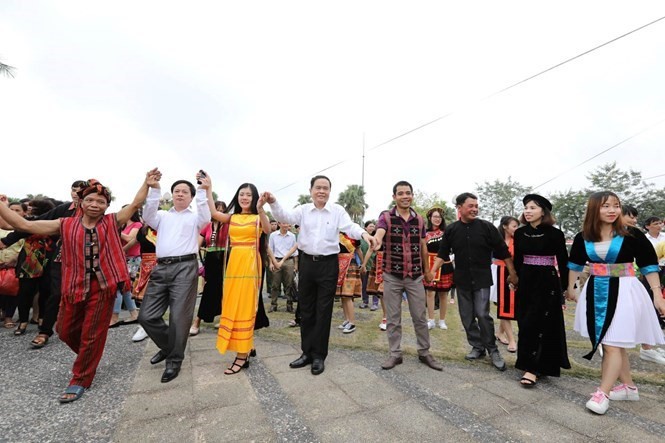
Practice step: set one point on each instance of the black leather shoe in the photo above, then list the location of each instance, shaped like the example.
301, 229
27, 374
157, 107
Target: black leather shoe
300, 362
169, 374
317, 366
159, 356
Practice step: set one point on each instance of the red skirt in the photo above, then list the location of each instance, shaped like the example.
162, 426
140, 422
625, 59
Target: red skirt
148, 261
443, 280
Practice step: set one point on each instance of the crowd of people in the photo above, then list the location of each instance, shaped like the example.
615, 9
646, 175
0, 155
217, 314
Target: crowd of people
85, 264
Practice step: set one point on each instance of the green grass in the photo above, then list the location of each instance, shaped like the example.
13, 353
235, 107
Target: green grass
450, 344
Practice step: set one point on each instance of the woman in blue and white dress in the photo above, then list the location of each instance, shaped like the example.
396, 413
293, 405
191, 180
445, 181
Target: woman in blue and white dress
614, 309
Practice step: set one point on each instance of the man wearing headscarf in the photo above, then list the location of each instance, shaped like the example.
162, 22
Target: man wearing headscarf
94, 267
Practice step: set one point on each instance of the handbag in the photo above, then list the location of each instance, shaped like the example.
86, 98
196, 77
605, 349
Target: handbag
8, 282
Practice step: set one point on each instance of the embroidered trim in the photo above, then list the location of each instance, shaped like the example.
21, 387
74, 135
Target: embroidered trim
539, 260
612, 270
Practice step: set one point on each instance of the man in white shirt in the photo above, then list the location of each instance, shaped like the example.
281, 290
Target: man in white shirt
320, 223
173, 282
283, 256
654, 226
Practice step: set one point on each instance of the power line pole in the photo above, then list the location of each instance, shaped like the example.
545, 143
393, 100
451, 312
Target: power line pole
362, 179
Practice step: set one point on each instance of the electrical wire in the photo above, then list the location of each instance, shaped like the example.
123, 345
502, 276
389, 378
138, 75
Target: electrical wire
648, 128
500, 91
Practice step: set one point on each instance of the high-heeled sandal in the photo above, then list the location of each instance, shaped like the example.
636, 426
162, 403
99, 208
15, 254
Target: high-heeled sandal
252, 353
232, 369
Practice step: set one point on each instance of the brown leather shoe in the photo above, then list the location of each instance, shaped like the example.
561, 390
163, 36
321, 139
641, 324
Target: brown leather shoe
391, 362
429, 361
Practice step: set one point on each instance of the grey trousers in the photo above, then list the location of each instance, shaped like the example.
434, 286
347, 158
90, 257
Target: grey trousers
171, 286
393, 287
283, 276
474, 310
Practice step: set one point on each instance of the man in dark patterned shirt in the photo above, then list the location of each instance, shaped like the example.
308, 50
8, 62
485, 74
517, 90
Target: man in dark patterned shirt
404, 266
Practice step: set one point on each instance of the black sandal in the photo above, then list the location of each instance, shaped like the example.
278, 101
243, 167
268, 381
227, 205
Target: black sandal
21, 330
252, 353
40, 341
527, 382
231, 369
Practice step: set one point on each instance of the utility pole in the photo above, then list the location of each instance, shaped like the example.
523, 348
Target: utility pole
362, 179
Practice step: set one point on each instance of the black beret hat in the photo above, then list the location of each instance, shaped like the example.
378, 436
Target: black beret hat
539, 199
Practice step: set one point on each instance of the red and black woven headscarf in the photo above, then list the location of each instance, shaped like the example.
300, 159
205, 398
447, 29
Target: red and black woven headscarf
94, 186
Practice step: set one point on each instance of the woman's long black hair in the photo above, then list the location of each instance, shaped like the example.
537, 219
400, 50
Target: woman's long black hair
234, 206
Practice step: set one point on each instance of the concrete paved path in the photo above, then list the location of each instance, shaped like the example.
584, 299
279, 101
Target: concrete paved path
353, 400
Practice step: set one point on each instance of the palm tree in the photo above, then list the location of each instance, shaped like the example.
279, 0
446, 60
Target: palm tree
304, 198
353, 200
7, 70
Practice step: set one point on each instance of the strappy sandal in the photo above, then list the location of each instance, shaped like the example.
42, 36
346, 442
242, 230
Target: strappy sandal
232, 369
527, 382
40, 341
21, 330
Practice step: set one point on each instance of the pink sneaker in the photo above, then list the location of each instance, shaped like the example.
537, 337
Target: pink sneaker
598, 403
624, 392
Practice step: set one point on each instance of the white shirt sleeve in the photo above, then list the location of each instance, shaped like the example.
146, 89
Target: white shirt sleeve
151, 208
347, 225
271, 242
202, 208
293, 217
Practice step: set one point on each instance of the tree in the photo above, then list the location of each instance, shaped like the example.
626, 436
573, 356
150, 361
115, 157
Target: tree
651, 206
501, 198
423, 202
7, 70
353, 200
568, 208
304, 198
631, 189
628, 185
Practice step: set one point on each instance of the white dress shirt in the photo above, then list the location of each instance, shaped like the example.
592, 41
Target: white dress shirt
282, 244
177, 231
319, 228
654, 241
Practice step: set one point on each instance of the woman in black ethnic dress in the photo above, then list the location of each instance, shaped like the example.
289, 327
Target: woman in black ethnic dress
213, 241
614, 308
539, 249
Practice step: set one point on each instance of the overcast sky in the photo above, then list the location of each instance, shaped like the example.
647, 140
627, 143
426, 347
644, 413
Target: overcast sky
274, 92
